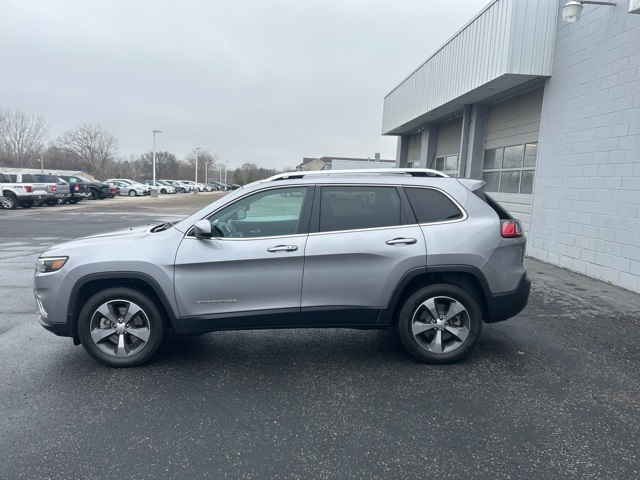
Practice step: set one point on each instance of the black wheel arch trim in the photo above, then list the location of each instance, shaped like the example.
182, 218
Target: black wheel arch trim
387, 315
497, 307
73, 310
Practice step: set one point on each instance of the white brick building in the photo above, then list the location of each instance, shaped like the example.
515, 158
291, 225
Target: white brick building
548, 114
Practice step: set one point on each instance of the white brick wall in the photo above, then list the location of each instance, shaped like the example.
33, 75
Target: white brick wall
586, 203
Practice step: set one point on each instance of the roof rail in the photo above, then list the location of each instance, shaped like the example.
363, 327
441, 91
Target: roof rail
411, 172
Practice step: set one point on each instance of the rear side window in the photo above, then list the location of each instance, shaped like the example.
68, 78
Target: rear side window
358, 207
431, 205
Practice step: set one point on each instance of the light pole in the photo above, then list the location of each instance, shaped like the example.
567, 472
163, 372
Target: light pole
198, 148
220, 170
225, 172
154, 158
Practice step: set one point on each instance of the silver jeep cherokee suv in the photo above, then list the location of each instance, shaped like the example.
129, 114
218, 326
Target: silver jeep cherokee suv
410, 249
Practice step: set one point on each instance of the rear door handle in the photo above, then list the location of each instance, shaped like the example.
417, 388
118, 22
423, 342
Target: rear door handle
402, 241
283, 248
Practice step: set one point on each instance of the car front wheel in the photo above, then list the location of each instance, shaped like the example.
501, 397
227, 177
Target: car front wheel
132, 193
121, 327
440, 323
9, 202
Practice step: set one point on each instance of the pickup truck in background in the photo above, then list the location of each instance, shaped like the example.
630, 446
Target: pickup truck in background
56, 186
23, 189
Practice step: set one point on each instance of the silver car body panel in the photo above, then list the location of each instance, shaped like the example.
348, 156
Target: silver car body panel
338, 271
222, 276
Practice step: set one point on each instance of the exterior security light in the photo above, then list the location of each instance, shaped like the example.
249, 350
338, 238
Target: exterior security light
572, 10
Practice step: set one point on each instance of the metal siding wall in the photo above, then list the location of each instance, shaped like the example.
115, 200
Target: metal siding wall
498, 39
514, 121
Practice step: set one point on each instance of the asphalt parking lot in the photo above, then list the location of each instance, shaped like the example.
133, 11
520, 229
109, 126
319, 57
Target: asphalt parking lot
553, 393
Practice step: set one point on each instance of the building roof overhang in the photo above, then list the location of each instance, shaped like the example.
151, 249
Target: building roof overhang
508, 44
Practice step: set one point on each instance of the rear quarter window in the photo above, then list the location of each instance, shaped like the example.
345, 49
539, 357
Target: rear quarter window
430, 206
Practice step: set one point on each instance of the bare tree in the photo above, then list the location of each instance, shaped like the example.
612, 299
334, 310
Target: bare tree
167, 165
22, 137
206, 165
92, 145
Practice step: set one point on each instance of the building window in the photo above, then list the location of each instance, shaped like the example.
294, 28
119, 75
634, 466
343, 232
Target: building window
510, 169
449, 164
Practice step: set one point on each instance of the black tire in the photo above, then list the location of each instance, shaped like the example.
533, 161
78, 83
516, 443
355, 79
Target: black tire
51, 203
163, 190
94, 194
10, 202
133, 193
110, 337
28, 204
447, 338
72, 201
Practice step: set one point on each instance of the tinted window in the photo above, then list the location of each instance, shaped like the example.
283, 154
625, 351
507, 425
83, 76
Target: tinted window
430, 205
266, 214
355, 207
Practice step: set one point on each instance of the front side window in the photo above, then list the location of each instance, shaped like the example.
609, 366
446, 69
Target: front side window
269, 213
359, 207
510, 169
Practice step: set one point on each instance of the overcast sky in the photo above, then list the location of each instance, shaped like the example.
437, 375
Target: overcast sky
260, 81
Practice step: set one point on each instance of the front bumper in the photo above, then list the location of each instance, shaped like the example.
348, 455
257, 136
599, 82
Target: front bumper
59, 329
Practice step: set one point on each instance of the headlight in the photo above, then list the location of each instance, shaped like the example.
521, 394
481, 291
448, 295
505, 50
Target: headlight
50, 264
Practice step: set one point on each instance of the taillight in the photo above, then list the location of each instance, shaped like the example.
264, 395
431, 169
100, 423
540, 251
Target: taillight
76, 187
28, 188
53, 188
511, 228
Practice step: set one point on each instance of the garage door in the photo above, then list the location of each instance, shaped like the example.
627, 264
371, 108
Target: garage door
448, 147
510, 152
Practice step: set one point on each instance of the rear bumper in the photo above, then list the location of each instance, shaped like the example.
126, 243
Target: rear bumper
506, 305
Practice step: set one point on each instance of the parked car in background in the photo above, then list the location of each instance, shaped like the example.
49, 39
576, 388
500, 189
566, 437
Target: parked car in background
130, 189
178, 185
98, 190
200, 186
78, 189
24, 189
430, 256
4, 178
114, 190
58, 188
161, 187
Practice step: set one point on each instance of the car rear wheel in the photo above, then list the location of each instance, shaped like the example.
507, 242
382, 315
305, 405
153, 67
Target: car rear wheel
121, 327
440, 323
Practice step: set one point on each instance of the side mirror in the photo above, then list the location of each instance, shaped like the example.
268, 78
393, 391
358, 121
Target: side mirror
202, 229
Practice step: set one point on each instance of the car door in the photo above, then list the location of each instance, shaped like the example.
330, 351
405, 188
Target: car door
250, 273
360, 247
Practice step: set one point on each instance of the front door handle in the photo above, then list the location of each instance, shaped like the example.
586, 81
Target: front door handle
402, 241
283, 248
